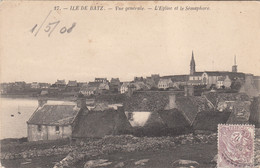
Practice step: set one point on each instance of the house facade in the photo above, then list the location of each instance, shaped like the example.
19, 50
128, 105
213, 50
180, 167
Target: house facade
51, 122
35, 85
165, 83
101, 80
60, 83
72, 84
114, 85
124, 87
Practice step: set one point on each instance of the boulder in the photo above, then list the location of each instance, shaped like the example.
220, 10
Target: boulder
97, 163
185, 163
215, 159
120, 164
141, 162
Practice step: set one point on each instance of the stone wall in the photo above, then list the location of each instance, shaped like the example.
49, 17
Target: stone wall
48, 132
35, 135
38, 152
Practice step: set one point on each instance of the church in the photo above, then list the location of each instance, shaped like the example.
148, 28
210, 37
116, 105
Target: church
217, 78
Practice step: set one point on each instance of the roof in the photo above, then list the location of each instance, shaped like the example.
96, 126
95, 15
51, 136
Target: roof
54, 115
157, 101
231, 75
62, 82
72, 83
125, 84
209, 120
177, 78
91, 88
100, 123
215, 97
173, 118
93, 84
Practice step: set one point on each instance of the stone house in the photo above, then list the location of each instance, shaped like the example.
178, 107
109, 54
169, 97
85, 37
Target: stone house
72, 84
114, 85
93, 88
87, 91
101, 80
165, 83
50, 122
60, 83
124, 87
35, 85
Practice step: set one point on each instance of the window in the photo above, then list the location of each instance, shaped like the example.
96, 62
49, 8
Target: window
57, 128
39, 128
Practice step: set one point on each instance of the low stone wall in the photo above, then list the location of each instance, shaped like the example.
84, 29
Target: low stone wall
38, 152
129, 143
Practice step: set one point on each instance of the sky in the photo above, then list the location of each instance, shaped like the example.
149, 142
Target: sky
126, 44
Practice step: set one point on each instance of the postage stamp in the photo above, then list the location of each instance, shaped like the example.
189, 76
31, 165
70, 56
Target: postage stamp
236, 146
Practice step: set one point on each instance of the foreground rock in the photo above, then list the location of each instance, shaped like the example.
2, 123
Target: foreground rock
141, 162
97, 163
120, 164
185, 163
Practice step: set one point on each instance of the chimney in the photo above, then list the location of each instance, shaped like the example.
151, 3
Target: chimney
172, 101
81, 102
41, 102
188, 90
130, 91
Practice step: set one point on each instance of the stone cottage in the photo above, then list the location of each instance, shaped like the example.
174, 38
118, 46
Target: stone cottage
53, 121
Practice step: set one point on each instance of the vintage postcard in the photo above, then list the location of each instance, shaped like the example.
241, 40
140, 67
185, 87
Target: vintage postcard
152, 84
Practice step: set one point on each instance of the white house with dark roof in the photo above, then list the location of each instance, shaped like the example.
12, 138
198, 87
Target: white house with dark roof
53, 121
165, 83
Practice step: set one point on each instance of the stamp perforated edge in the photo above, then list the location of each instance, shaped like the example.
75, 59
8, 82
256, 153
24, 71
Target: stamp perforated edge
237, 125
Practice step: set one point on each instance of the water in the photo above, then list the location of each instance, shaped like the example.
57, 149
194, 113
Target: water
16, 126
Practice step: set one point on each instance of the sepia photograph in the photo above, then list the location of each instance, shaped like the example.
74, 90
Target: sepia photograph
129, 84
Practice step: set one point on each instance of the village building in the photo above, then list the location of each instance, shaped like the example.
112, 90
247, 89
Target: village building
138, 79
60, 83
72, 83
99, 122
165, 83
124, 87
101, 80
163, 113
257, 83
151, 83
35, 85
114, 85
44, 85
50, 122
249, 87
89, 90
93, 88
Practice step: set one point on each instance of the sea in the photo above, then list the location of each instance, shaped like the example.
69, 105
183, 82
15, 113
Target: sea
15, 112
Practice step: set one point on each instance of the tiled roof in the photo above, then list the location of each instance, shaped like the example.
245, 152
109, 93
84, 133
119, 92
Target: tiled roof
54, 115
93, 84
157, 101
177, 78
231, 75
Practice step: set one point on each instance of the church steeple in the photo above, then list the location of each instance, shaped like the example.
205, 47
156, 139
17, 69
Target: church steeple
192, 65
234, 67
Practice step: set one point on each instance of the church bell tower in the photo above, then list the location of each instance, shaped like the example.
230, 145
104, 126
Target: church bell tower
192, 65
234, 67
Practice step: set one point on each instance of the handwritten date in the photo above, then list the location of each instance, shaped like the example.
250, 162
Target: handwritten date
51, 26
